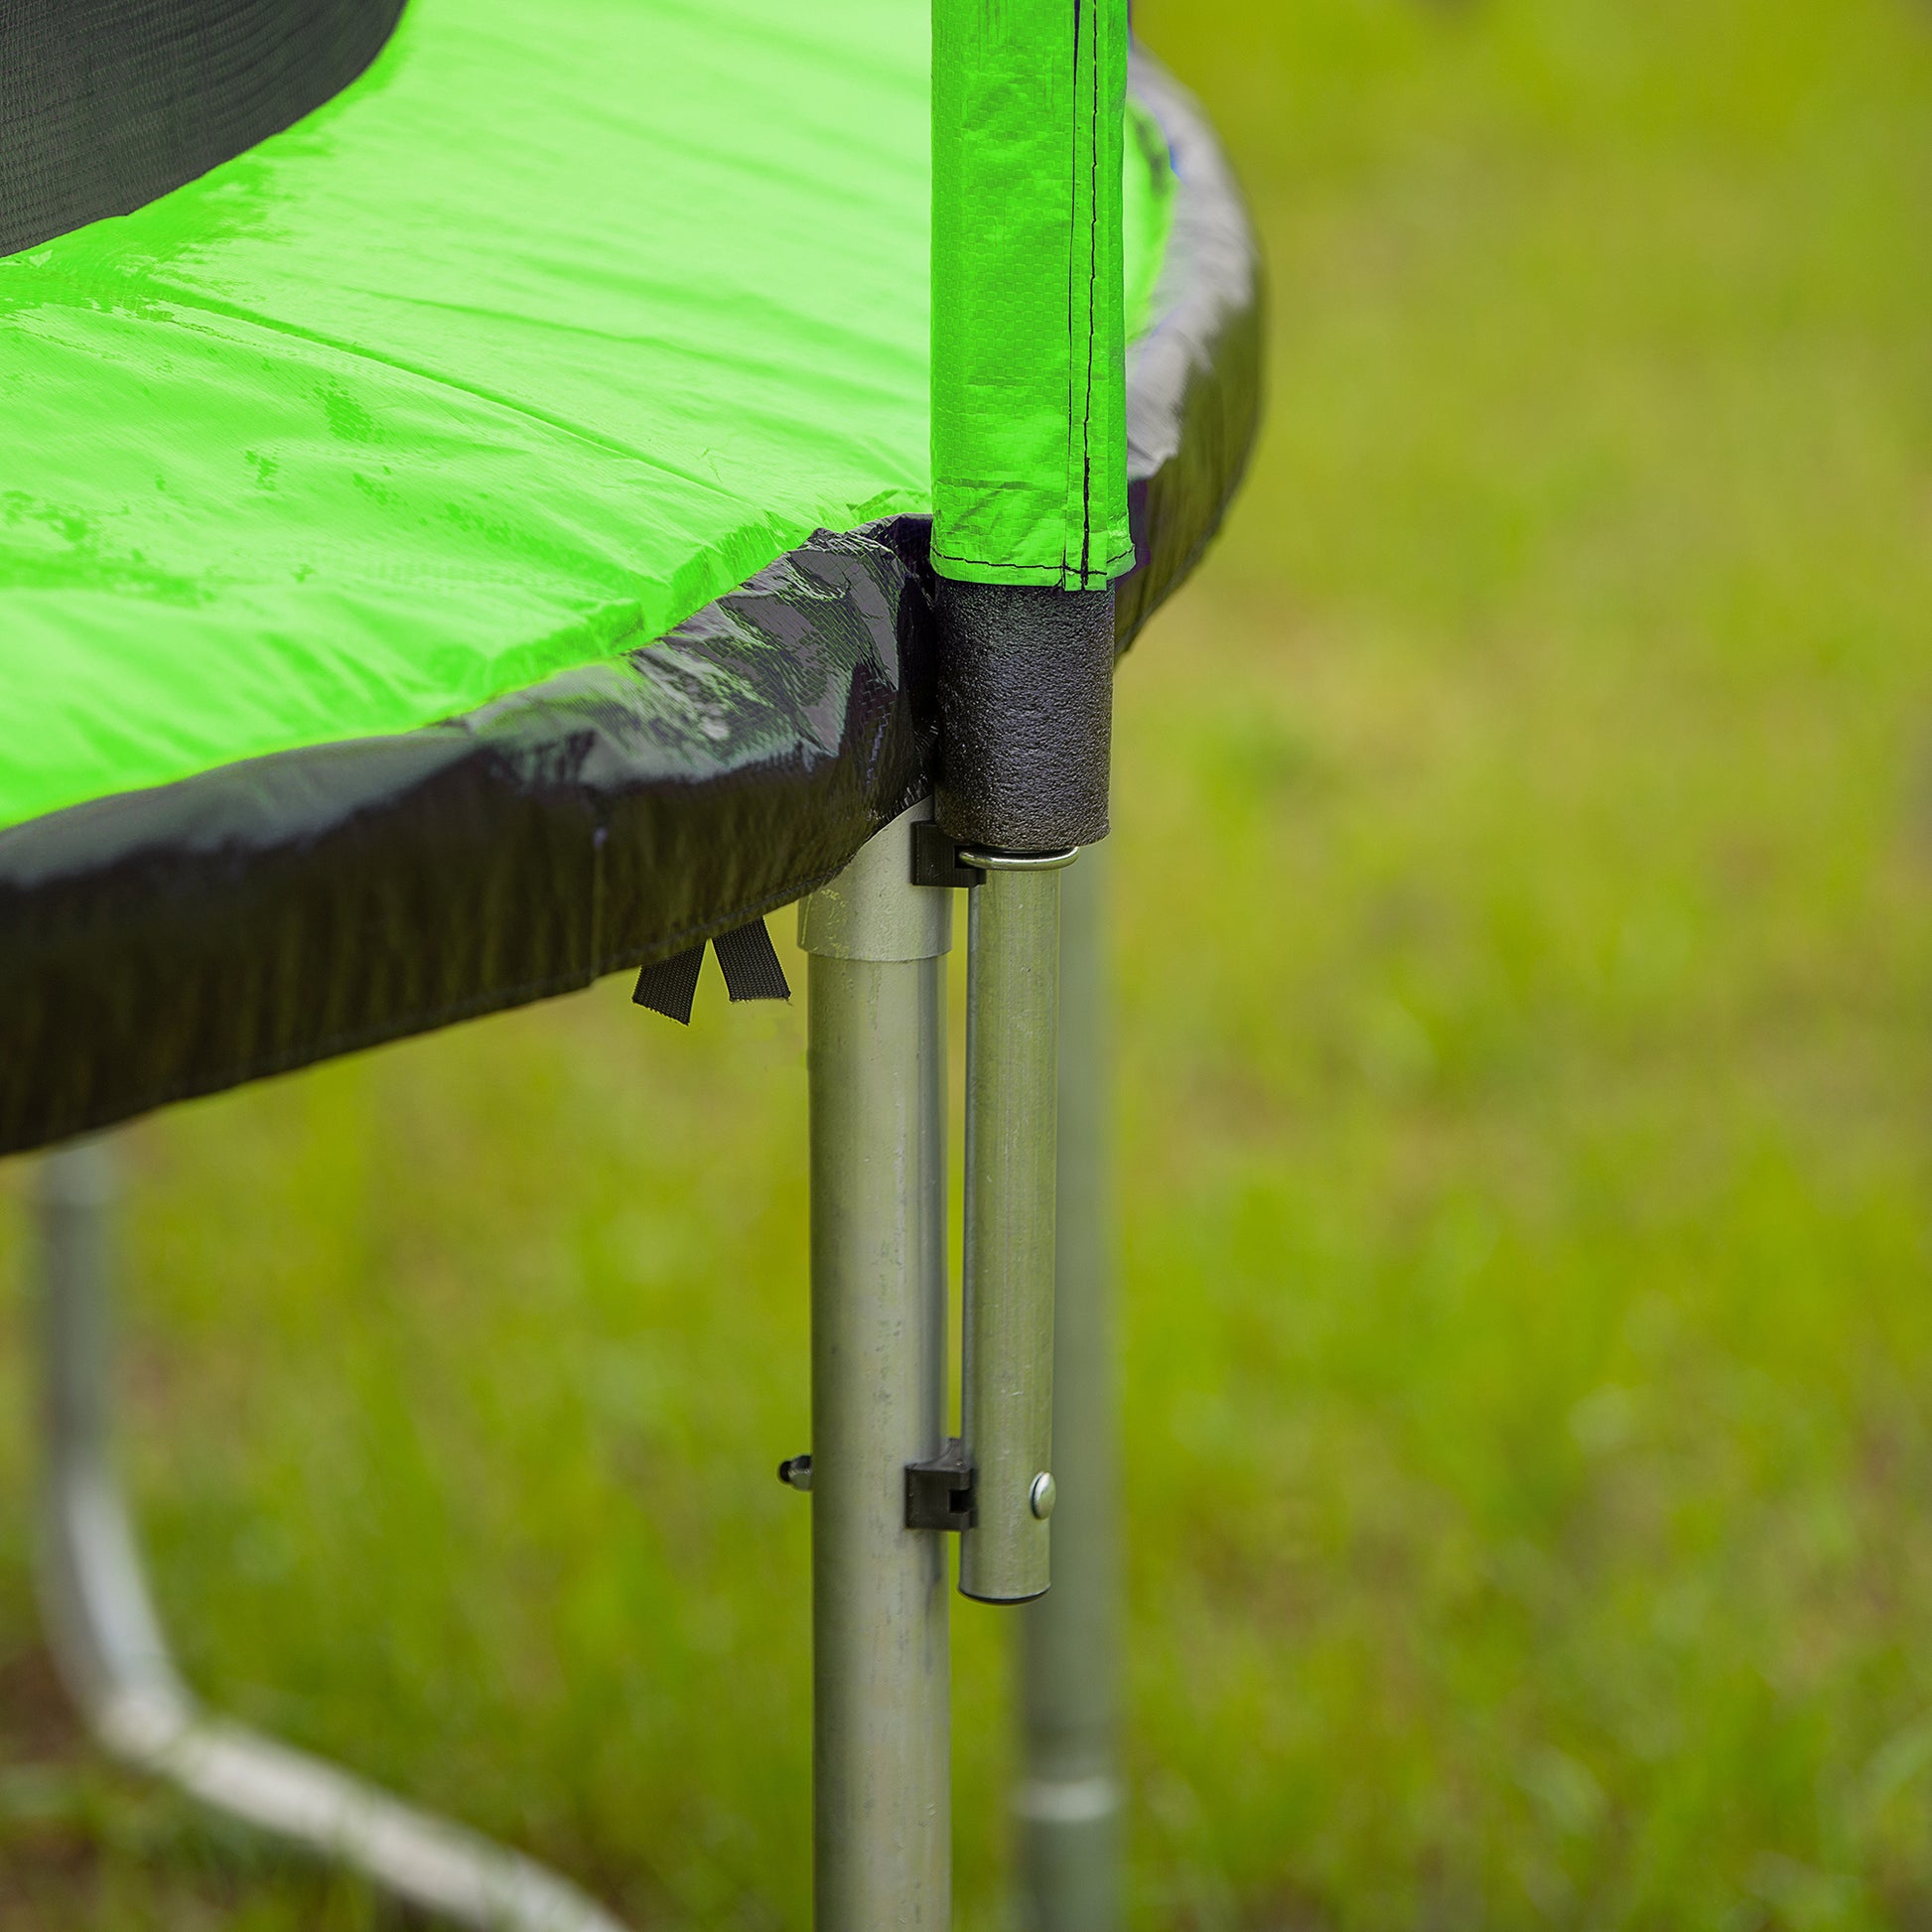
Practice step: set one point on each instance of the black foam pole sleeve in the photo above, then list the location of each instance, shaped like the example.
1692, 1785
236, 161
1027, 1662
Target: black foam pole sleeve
1026, 710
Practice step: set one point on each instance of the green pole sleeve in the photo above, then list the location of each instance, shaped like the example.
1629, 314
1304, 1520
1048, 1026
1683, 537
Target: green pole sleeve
1028, 328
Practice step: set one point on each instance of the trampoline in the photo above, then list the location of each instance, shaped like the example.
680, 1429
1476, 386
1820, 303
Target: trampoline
490, 497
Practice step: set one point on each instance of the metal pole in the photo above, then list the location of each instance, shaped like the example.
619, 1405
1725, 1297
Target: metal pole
113, 1655
1006, 1411
882, 1825
1069, 1802
100, 1619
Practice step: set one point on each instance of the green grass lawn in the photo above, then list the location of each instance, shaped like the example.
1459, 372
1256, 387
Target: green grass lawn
1525, 921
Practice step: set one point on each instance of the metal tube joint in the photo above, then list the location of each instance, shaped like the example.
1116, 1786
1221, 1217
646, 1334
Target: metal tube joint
995, 1485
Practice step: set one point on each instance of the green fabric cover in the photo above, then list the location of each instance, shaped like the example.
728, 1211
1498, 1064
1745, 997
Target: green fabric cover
1028, 334
555, 326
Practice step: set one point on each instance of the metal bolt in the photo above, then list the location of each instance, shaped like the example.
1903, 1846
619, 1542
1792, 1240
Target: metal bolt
1042, 1495
796, 1471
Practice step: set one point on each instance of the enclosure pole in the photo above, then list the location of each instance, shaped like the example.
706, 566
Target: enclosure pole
1007, 1396
1069, 1802
882, 1826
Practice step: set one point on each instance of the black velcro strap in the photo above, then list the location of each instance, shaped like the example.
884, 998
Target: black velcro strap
750, 963
671, 985
747, 958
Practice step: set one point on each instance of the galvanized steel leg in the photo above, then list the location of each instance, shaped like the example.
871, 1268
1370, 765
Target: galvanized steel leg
1068, 1803
881, 1830
113, 1657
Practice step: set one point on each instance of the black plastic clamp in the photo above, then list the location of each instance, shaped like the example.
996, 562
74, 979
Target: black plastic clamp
935, 858
940, 1494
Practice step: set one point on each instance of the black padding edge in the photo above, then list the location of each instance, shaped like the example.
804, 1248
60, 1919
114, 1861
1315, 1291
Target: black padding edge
106, 105
1194, 380
162, 944
178, 941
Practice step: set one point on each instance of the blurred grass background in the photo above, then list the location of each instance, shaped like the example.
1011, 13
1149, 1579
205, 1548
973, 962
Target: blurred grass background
1525, 914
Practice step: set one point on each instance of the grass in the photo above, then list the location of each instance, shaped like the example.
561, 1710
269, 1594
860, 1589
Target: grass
1525, 842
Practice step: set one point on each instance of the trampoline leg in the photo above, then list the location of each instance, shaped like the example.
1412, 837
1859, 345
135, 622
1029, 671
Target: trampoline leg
113, 1657
101, 1621
881, 1830
1069, 1802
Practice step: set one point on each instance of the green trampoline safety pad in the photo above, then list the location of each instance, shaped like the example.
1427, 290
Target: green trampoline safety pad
554, 326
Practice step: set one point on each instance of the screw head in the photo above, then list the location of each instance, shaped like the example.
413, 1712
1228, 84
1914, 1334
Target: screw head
1043, 1495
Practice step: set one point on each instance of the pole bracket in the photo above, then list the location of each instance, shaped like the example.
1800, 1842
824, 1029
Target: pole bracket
935, 858
941, 1494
